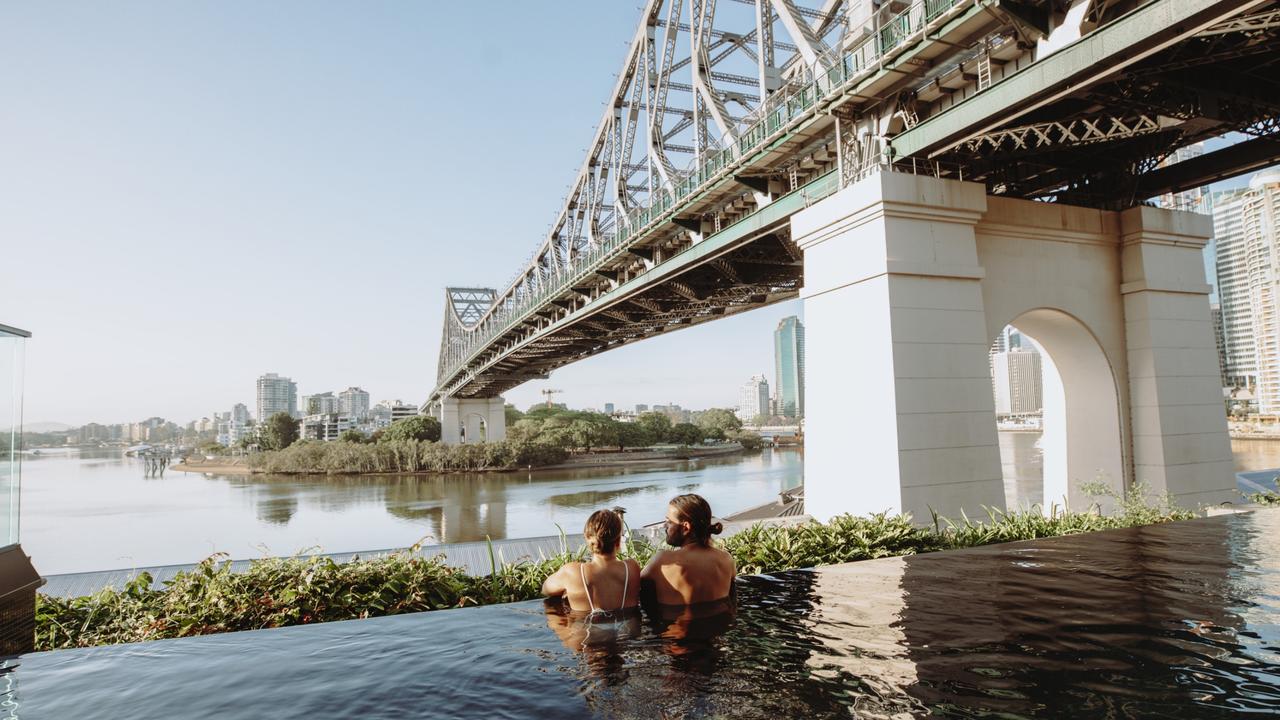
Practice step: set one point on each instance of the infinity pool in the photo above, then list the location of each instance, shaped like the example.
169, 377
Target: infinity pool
1180, 620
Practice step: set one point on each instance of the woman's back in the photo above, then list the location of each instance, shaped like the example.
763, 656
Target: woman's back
601, 585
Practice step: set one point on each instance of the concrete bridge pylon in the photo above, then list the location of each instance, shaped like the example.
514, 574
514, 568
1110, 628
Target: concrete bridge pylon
471, 420
907, 281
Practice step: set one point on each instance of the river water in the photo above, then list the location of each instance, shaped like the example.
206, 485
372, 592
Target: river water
96, 510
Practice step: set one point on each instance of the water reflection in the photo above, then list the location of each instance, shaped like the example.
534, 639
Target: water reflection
93, 510
1169, 621
599, 498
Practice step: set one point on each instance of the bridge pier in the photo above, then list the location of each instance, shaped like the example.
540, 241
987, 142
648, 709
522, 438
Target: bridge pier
908, 279
472, 420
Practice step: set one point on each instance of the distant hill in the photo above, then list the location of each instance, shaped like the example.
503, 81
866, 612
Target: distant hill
43, 427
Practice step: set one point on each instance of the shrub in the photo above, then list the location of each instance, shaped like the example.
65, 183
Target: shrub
1268, 498
403, 456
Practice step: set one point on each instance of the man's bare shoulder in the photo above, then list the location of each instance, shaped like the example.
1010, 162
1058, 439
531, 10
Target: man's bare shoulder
662, 557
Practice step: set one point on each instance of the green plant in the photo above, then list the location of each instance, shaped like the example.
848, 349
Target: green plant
1269, 498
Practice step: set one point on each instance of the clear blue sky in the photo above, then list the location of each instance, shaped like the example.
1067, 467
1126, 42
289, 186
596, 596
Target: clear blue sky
194, 193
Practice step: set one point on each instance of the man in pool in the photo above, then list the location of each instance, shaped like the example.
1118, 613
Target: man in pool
695, 572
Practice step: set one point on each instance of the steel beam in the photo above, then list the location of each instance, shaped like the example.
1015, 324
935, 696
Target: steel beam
1095, 57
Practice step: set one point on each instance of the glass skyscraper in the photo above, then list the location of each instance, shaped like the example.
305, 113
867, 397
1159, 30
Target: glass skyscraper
788, 356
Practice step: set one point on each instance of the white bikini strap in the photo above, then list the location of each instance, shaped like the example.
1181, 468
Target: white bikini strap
583, 572
625, 579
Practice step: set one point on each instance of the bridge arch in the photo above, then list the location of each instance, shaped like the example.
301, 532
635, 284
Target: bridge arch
1082, 438
474, 428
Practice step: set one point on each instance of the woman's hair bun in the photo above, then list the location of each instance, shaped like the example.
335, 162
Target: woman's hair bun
716, 528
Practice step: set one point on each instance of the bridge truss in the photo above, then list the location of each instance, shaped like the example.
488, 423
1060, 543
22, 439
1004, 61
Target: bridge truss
727, 117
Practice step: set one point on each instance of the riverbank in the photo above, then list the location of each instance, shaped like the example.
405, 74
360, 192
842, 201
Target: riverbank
644, 457
214, 466
583, 461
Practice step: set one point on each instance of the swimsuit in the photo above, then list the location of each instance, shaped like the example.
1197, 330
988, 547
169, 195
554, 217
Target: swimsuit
604, 626
582, 572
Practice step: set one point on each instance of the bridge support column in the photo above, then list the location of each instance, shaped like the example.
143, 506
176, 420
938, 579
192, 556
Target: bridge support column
899, 413
1180, 441
472, 420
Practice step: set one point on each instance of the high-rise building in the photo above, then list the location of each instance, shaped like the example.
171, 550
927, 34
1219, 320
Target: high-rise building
1240, 356
276, 394
608, 408
1017, 382
641, 407
788, 355
325, 403
1193, 200
354, 402
753, 399
1260, 213
240, 413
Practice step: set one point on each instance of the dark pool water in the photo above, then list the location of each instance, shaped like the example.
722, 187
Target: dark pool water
1176, 621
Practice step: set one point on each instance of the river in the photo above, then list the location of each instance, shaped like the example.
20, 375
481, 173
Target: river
95, 509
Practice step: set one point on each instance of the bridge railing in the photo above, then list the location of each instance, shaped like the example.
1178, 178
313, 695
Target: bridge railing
778, 114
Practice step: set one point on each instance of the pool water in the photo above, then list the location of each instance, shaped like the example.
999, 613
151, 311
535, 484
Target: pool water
1180, 620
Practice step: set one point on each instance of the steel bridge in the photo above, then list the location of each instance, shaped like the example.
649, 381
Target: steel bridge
727, 118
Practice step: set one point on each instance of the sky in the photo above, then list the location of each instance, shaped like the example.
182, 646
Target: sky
195, 193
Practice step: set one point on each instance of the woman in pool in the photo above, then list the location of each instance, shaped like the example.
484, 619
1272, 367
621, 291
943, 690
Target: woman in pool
604, 584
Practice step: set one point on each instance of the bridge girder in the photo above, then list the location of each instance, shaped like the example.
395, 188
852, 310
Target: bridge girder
828, 95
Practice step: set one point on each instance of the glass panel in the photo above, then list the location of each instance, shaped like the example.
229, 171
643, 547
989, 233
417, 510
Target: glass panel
11, 356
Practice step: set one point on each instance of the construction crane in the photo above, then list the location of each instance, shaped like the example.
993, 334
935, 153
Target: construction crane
549, 392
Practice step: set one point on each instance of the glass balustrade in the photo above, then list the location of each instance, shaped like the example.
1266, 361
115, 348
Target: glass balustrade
12, 345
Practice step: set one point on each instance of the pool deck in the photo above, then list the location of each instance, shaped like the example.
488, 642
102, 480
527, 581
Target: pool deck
472, 557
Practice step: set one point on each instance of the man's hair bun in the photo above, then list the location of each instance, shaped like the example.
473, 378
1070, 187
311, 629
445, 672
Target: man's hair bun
716, 528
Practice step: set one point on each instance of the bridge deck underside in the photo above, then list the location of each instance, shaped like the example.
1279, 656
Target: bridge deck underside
1101, 142
760, 269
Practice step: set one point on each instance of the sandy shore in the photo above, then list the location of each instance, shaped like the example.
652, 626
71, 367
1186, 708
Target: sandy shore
219, 466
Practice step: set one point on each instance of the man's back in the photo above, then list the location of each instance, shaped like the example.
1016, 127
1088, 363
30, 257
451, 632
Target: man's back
692, 574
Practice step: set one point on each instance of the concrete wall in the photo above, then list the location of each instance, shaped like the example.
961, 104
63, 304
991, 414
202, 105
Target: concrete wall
907, 282
472, 420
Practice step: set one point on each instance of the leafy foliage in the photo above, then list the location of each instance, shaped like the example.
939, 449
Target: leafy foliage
748, 439
686, 434
656, 426
1269, 498
279, 432
418, 427
718, 419
404, 456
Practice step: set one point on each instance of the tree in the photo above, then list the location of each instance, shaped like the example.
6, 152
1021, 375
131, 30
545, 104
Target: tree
513, 415
719, 419
585, 434
279, 432
418, 427
687, 434
747, 439
656, 426
631, 435
351, 436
